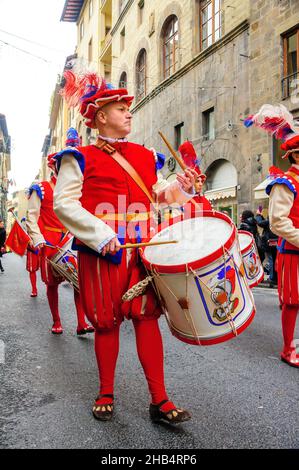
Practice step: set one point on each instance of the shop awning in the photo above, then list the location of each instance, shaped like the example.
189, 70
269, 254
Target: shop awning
260, 190
221, 193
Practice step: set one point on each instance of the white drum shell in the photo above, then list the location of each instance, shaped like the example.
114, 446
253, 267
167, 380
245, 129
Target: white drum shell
252, 264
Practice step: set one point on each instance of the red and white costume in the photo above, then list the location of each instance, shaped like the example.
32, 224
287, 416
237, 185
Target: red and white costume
45, 228
32, 263
284, 220
97, 200
87, 178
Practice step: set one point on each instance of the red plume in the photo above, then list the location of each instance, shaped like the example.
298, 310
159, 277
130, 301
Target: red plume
77, 86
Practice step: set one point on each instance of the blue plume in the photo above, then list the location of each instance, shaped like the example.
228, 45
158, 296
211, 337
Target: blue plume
93, 90
248, 122
161, 161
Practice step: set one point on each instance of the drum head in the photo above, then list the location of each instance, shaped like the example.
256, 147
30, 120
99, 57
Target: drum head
198, 238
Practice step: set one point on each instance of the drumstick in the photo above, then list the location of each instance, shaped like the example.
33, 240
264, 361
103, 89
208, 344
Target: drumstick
179, 160
138, 245
181, 163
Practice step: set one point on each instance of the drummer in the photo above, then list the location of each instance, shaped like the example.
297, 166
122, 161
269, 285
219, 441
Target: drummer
46, 231
90, 180
190, 158
32, 263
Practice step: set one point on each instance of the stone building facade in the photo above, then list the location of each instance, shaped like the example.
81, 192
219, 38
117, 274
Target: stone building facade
5, 166
222, 82
197, 68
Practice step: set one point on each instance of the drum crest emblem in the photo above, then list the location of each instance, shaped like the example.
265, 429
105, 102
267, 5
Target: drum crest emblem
223, 287
252, 267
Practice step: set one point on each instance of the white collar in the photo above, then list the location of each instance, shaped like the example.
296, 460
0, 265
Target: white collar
110, 140
296, 166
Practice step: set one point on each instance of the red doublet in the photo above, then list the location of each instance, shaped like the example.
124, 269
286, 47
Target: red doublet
52, 230
108, 188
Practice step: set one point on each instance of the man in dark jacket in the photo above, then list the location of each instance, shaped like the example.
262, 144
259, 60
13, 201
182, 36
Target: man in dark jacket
2, 241
268, 245
249, 224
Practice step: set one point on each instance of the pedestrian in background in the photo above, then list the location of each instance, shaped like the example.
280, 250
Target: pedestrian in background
2, 242
268, 245
249, 224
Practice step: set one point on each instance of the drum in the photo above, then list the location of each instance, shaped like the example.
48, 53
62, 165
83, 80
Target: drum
65, 263
252, 264
200, 280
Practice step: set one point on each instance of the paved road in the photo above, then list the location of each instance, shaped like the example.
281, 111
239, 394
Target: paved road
240, 394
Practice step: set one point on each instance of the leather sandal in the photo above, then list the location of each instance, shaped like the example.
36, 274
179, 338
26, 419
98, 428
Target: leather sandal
291, 358
57, 330
174, 415
103, 412
87, 329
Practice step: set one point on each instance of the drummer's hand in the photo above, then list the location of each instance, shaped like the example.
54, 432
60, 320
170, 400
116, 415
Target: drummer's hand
40, 246
187, 180
112, 247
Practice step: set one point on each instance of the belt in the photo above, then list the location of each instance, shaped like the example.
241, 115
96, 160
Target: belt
54, 229
127, 217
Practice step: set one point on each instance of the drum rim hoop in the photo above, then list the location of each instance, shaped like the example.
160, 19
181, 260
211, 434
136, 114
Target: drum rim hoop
203, 262
252, 240
218, 339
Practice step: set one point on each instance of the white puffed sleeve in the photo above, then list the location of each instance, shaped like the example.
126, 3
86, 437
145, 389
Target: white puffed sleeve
67, 193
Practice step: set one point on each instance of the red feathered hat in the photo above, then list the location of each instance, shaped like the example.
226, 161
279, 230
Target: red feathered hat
290, 145
279, 122
91, 92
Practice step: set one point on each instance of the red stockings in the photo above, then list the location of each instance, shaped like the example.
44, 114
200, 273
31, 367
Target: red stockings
52, 294
150, 352
288, 319
33, 281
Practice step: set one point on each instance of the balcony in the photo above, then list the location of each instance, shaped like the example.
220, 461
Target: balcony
290, 85
105, 45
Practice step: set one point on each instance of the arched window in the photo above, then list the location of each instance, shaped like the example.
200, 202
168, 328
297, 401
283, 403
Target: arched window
170, 38
141, 75
123, 81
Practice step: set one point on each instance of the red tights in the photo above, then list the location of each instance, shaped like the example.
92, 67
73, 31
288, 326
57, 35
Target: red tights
33, 282
150, 352
288, 319
52, 294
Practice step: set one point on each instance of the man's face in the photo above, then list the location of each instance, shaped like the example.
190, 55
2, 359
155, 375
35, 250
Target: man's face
114, 120
1, 224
